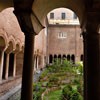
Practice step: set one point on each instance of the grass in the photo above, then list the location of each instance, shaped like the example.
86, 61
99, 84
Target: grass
55, 95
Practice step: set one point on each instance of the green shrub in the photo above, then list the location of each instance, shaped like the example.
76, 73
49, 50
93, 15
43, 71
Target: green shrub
80, 89
71, 94
44, 73
67, 91
75, 96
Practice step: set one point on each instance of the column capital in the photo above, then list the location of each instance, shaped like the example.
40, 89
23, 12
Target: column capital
24, 19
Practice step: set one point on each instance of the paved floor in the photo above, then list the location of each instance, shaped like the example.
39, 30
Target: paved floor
16, 90
10, 92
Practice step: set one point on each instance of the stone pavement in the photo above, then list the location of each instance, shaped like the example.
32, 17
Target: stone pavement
14, 94
10, 93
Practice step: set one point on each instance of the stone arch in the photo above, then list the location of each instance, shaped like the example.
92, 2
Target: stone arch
64, 56
42, 7
73, 58
3, 43
18, 46
3, 34
50, 59
12, 43
68, 57
22, 48
81, 57
59, 57
55, 57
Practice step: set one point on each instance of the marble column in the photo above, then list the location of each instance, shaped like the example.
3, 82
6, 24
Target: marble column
1, 64
7, 65
14, 65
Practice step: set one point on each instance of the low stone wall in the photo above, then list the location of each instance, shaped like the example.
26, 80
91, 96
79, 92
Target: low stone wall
11, 83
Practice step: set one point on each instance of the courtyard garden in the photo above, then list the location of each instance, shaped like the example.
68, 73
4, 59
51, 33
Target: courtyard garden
60, 81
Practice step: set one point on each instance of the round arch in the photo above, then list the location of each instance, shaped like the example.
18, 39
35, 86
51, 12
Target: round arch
50, 59
55, 57
81, 57
59, 58
11, 39
18, 45
64, 56
11, 45
68, 57
73, 58
2, 43
42, 7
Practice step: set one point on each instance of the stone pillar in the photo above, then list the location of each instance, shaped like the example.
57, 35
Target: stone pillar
7, 66
1, 64
48, 60
42, 61
37, 63
14, 66
92, 62
25, 22
27, 78
34, 63
85, 64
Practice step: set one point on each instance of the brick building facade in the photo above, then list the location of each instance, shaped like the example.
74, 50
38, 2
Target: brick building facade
65, 40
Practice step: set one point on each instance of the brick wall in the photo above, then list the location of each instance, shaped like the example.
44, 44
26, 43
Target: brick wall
72, 44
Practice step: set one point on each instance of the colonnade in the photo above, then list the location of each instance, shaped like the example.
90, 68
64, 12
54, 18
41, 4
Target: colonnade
68, 57
39, 62
8, 61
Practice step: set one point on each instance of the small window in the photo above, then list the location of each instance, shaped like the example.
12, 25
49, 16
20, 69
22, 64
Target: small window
62, 35
63, 16
75, 16
51, 15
